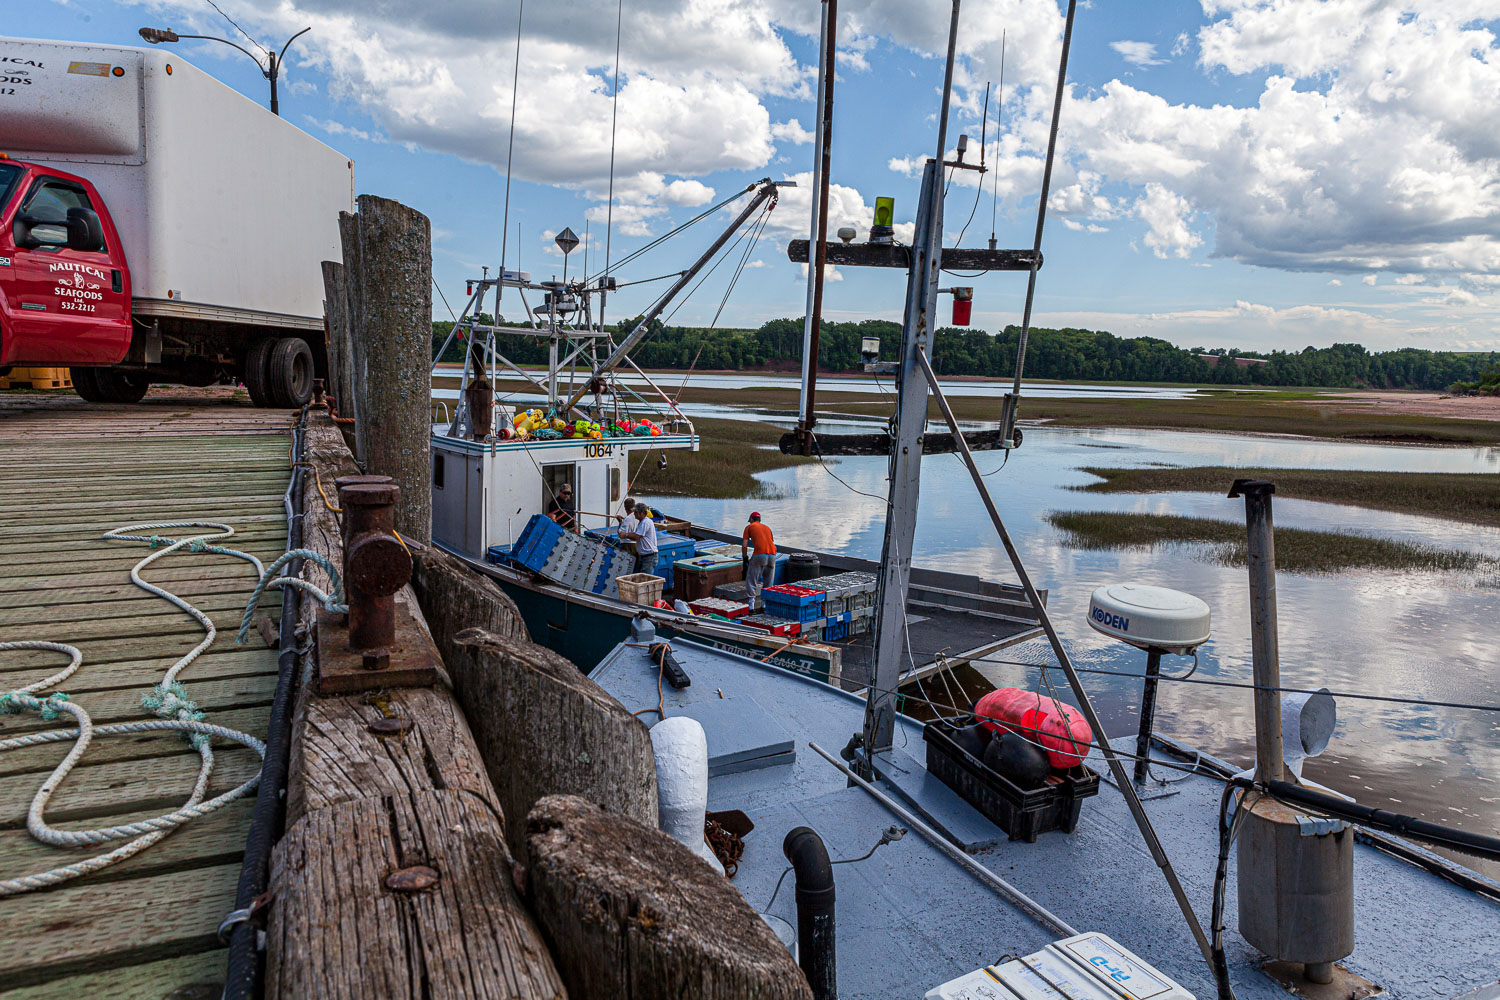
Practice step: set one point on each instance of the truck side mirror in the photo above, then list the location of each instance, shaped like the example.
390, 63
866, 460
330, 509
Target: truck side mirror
27, 237
85, 231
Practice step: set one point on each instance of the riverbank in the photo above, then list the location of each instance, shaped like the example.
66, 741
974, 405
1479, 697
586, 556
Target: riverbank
1341, 416
1297, 550
1471, 498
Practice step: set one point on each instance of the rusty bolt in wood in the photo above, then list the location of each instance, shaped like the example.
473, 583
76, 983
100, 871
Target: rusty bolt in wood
412, 879
376, 565
388, 725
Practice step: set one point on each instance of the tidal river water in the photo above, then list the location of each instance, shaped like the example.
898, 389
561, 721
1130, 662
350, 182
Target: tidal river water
1426, 636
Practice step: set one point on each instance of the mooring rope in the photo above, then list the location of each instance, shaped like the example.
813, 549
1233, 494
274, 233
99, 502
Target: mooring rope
167, 700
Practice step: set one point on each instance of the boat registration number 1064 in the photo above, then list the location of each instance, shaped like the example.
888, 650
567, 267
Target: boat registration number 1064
599, 451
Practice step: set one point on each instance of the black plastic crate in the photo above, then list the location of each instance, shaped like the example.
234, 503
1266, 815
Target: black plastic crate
1021, 813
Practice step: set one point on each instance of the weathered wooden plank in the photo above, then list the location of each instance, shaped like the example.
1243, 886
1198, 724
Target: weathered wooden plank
543, 728
633, 914
75, 633
134, 603
125, 704
133, 746
162, 784
86, 927
171, 570
336, 931
199, 976
216, 839
162, 651
105, 595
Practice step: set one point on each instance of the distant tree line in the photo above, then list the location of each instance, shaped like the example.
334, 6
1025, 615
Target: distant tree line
1068, 354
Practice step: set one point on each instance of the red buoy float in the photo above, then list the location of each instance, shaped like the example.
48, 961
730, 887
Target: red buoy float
1058, 727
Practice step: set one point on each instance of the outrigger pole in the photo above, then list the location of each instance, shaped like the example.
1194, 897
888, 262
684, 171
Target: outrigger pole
916, 380
812, 327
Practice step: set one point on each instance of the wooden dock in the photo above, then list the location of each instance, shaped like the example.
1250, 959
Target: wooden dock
70, 471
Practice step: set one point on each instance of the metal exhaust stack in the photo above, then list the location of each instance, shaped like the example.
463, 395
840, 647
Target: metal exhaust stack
1296, 873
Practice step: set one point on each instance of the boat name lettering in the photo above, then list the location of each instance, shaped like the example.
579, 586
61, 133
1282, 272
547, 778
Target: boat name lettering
1113, 621
598, 451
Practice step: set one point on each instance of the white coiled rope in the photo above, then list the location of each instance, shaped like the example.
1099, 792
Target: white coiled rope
167, 700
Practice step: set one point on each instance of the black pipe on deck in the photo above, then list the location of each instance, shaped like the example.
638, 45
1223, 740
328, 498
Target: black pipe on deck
816, 949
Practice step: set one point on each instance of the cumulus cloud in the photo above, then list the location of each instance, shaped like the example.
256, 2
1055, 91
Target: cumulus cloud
1137, 53
1369, 145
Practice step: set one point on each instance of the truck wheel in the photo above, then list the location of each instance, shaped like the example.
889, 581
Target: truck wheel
290, 373
257, 363
85, 384
121, 387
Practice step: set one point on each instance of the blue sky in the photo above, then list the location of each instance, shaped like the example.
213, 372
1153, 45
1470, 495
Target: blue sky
1252, 173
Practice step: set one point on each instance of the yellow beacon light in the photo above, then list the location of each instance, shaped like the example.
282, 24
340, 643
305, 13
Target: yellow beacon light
885, 218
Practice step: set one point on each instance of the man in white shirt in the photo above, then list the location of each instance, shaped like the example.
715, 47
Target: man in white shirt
639, 528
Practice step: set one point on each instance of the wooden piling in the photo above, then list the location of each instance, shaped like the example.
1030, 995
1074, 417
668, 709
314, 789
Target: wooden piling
543, 728
633, 914
390, 280
382, 784
340, 360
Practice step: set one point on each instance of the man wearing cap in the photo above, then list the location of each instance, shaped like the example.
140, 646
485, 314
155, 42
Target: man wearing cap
563, 511
639, 528
760, 563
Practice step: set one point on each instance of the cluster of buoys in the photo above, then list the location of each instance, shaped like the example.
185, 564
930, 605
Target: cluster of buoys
1058, 727
536, 424
634, 428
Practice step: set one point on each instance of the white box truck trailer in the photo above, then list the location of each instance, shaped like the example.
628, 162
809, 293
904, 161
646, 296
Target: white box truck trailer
158, 226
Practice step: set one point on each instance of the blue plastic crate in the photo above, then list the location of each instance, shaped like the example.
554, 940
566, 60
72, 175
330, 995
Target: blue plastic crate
498, 555
832, 630
800, 608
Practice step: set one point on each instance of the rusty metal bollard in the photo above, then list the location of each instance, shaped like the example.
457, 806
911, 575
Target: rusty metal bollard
318, 402
376, 565
355, 480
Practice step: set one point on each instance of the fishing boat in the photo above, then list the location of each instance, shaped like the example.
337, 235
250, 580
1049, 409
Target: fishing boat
500, 463
1002, 849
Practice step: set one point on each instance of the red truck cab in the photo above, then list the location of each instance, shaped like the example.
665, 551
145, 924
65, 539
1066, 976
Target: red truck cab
64, 280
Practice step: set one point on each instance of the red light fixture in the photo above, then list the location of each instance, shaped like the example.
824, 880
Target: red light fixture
963, 305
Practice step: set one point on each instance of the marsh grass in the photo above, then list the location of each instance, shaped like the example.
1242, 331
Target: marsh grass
730, 452
1470, 497
1297, 550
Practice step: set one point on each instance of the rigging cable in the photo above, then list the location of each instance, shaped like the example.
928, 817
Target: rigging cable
510, 150
239, 29
614, 118
999, 114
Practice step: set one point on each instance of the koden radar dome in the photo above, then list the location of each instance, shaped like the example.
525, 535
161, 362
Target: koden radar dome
1150, 617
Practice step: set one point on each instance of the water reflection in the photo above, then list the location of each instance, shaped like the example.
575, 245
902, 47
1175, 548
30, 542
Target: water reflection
1425, 636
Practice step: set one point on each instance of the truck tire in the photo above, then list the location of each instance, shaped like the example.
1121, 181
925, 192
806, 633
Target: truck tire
85, 384
121, 387
290, 373
257, 364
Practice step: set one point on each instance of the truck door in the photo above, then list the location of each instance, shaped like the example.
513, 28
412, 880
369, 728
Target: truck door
66, 305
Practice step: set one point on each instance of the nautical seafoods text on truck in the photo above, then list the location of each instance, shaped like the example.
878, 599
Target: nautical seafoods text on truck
158, 226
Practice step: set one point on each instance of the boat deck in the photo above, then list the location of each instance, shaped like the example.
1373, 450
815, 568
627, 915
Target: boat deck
910, 918
70, 471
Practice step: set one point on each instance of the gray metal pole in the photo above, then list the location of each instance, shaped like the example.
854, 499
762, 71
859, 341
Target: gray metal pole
1263, 639
905, 474
815, 232
1137, 811
1148, 717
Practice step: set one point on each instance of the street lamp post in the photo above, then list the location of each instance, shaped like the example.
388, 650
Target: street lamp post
271, 70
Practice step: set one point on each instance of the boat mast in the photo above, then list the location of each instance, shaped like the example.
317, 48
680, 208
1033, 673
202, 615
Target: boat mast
911, 423
916, 379
818, 228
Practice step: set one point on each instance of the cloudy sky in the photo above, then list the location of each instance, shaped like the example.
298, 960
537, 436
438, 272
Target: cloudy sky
1253, 173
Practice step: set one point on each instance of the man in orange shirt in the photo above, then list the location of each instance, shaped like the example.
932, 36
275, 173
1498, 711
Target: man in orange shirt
760, 563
